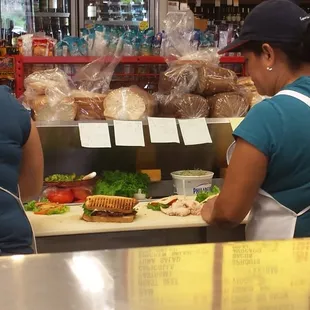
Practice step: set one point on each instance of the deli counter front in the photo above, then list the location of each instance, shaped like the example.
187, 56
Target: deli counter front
231, 276
68, 232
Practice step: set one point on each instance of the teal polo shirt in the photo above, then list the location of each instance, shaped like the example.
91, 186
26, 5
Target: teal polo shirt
279, 127
15, 126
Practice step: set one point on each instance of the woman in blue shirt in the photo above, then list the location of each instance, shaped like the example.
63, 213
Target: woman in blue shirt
269, 163
21, 174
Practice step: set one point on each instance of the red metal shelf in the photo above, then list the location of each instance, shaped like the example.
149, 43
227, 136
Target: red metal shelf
85, 60
20, 61
126, 59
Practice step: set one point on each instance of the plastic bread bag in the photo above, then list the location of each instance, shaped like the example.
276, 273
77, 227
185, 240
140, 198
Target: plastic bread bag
184, 106
55, 105
247, 86
232, 104
178, 78
179, 28
213, 79
48, 110
89, 105
38, 82
129, 103
97, 75
184, 73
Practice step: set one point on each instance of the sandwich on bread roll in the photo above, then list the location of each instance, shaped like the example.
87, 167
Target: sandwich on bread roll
110, 209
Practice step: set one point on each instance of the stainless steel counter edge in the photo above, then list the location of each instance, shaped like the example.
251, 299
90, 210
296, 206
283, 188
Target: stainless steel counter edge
110, 123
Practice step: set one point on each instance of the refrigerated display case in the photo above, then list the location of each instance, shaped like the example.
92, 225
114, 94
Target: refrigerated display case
55, 17
119, 12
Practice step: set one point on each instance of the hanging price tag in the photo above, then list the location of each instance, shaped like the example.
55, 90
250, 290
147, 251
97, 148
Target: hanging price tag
195, 131
163, 130
129, 133
198, 3
95, 135
217, 3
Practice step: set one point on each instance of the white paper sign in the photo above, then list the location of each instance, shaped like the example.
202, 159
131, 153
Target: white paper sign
163, 130
129, 133
198, 3
95, 135
195, 131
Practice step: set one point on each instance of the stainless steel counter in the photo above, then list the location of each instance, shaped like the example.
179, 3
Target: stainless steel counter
232, 276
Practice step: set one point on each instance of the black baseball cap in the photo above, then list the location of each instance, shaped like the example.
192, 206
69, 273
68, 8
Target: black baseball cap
280, 21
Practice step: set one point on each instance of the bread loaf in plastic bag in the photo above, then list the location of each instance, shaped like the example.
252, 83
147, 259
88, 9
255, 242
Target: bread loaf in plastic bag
233, 104
183, 106
214, 79
129, 103
248, 86
48, 95
89, 105
179, 78
38, 82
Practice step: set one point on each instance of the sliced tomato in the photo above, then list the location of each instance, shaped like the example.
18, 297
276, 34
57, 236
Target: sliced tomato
172, 202
60, 195
81, 193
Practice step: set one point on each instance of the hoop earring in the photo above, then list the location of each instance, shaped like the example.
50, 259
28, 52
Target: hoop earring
269, 68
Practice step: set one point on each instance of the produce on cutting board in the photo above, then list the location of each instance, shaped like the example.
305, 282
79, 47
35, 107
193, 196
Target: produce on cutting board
63, 178
183, 205
67, 195
70, 180
204, 195
123, 184
46, 208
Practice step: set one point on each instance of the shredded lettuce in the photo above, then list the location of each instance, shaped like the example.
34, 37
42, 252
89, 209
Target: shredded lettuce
31, 205
59, 210
201, 196
157, 206
86, 211
117, 183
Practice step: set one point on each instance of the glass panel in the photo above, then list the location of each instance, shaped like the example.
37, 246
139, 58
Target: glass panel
116, 12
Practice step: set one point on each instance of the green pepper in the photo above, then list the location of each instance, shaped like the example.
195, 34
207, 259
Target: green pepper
157, 206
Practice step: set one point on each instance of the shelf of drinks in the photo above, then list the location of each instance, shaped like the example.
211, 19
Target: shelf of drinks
116, 22
49, 14
125, 60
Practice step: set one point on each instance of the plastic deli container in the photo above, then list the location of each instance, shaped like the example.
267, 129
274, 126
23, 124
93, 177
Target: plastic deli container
187, 183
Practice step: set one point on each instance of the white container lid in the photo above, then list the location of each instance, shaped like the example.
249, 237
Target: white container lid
203, 175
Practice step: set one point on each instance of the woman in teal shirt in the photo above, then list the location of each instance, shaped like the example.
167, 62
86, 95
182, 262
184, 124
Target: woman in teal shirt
269, 163
21, 174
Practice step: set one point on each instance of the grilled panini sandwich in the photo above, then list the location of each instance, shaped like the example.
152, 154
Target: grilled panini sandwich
113, 209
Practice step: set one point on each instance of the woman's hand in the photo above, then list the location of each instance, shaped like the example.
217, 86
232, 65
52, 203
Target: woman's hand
207, 210
245, 175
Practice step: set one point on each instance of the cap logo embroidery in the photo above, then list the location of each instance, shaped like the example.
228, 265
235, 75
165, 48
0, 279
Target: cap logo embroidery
304, 18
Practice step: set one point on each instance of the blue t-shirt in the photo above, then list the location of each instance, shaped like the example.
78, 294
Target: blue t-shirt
280, 128
15, 125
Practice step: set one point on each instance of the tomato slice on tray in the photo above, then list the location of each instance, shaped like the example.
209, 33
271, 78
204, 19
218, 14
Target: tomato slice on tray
60, 195
80, 193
